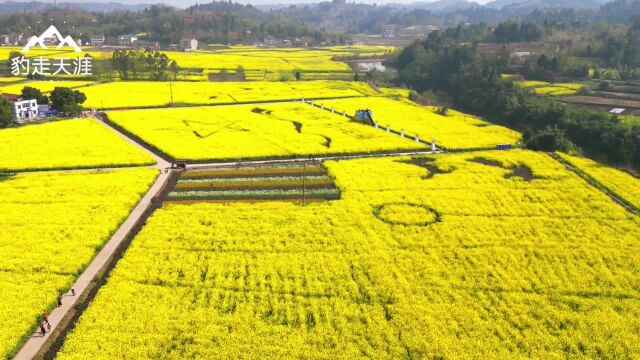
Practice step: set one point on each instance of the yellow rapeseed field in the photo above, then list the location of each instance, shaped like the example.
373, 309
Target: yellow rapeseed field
44, 86
618, 182
466, 260
10, 80
5, 51
52, 226
557, 89
272, 60
66, 145
142, 94
255, 131
455, 131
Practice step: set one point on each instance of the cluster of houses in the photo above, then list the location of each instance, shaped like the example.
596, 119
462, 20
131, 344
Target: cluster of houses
123, 41
134, 41
26, 110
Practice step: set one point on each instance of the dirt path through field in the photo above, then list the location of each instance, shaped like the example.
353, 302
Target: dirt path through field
62, 314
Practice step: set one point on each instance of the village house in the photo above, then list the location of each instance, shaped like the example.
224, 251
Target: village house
520, 55
127, 40
23, 110
145, 44
189, 44
97, 40
303, 41
11, 40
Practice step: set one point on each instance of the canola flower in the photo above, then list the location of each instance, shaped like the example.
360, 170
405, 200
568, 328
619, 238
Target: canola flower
457, 131
272, 60
52, 226
9, 80
146, 94
557, 89
66, 145
620, 183
255, 131
44, 86
517, 267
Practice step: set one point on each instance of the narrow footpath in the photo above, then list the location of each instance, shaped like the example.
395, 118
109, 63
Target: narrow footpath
37, 343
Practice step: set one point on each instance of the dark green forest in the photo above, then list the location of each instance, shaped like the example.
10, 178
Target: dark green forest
462, 77
216, 22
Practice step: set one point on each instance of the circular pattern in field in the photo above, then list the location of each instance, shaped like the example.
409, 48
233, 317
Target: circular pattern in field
407, 214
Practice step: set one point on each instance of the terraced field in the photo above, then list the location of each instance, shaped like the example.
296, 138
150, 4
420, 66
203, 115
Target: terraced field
301, 182
255, 132
53, 225
456, 131
10, 80
451, 256
44, 86
70, 144
620, 183
159, 94
556, 89
273, 60
457, 255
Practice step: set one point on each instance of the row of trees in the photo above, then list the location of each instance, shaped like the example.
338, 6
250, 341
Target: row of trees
464, 78
212, 22
136, 65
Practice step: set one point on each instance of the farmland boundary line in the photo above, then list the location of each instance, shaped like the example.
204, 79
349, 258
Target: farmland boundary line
344, 113
100, 279
62, 317
598, 185
161, 158
88, 283
196, 166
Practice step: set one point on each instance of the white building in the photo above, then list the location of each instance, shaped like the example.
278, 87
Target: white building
189, 44
97, 40
127, 40
25, 110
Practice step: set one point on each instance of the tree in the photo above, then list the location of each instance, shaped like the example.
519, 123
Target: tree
14, 54
471, 83
550, 139
6, 113
67, 101
30, 93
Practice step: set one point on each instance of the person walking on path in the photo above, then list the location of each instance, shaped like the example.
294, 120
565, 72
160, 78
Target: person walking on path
45, 317
43, 331
59, 300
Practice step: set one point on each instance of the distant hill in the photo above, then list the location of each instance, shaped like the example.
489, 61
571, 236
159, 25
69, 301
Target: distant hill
541, 4
11, 7
444, 6
619, 10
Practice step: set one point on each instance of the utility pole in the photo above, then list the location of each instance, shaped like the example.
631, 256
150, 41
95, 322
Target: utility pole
171, 91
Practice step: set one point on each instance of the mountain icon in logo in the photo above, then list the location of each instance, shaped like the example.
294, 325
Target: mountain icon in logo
51, 32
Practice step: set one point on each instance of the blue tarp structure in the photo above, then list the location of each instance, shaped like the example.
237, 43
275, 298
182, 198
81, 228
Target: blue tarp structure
51, 112
365, 115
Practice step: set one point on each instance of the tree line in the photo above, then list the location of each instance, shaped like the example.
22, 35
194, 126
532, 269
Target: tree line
215, 22
137, 65
460, 76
